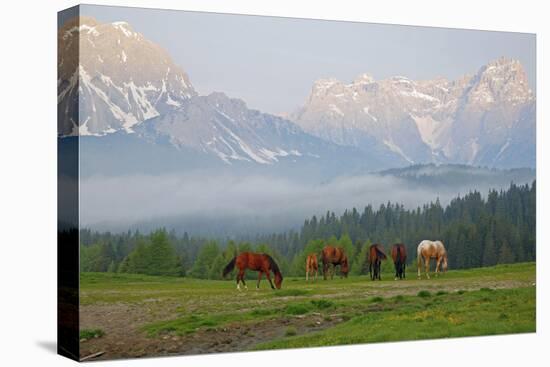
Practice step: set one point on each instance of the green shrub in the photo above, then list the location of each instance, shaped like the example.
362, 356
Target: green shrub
290, 293
424, 294
91, 333
296, 309
322, 303
291, 331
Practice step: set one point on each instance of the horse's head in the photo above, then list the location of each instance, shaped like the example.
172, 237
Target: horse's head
445, 263
345, 267
278, 280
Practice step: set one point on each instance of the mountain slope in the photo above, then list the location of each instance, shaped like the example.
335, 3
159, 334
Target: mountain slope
226, 128
220, 133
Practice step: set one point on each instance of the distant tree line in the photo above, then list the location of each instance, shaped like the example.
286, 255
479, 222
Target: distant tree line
476, 231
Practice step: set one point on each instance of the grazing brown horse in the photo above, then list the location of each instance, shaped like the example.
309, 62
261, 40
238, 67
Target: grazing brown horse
262, 263
376, 255
312, 266
431, 250
399, 256
335, 256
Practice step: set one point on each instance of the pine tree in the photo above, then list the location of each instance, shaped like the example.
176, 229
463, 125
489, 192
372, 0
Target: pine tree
217, 266
489, 252
112, 267
347, 245
163, 259
361, 262
505, 256
207, 255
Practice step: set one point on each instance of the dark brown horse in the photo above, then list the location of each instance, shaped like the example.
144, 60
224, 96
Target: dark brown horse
399, 256
334, 256
376, 255
262, 263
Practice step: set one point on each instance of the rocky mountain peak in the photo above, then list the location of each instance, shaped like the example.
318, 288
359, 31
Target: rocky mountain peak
501, 81
124, 78
363, 79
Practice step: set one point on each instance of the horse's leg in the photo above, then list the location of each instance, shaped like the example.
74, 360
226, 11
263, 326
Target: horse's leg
259, 278
419, 265
268, 276
315, 276
239, 280
396, 264
427, 265
307, 274
379, 269
324, 271
241, 274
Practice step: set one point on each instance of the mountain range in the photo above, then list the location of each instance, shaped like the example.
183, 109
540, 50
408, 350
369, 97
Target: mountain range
126, 98
482, 119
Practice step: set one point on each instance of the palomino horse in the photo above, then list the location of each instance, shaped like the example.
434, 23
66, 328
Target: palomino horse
428, 250
335, 256
376, 255
312, 266
262, 263
399, 256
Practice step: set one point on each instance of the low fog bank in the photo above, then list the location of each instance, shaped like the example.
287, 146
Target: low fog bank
229, 205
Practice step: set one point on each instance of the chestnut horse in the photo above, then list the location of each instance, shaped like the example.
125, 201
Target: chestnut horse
399, 256
311, 266
262, 263
376, 255
428, 250
335, 256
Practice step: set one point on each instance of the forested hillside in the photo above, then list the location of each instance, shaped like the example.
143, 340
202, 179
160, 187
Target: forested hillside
477, 231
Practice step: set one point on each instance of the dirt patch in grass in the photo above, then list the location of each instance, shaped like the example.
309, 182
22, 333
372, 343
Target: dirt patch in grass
122, 340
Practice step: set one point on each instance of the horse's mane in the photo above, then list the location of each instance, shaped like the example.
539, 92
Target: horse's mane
273, 265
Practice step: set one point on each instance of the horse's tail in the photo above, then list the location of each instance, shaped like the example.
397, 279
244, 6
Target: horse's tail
229, 267
273, 265
418, 257
398, 255
380, 254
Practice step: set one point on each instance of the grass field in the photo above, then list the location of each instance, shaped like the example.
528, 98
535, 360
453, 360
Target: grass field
136, 315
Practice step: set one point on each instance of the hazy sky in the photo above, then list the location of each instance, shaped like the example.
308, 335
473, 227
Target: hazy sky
272, 62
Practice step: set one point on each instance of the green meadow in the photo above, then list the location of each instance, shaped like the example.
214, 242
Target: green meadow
135, 315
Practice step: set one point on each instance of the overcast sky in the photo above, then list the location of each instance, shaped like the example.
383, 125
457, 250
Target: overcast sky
272, 62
